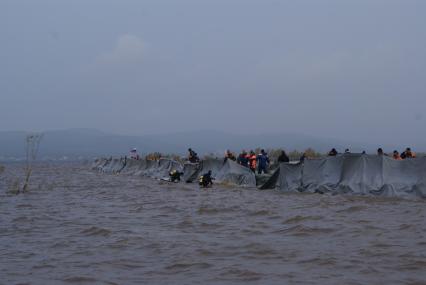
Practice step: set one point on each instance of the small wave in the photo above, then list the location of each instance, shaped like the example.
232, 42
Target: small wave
210, 226
22, 219
212, 210
414, 265
205, 252
251, 231
322, 261
127, 264
184, 266
242, 274
43, 266
95, 231
352, 209
298, 219
80, 279
407, 227
24, 206
300, 230
261, 213
187, 223
137, 209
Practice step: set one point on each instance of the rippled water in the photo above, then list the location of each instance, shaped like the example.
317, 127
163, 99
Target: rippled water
76, 226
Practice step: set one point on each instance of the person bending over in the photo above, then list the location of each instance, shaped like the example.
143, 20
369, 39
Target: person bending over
206, 180
175, 176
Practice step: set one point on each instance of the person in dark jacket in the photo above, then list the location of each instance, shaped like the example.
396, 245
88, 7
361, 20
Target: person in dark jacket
175, 176
332, 152
380, 151
192, 156
302, 158
263, 162
206, 179
283, 157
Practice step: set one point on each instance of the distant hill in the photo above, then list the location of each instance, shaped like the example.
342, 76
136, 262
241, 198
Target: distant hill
90, 143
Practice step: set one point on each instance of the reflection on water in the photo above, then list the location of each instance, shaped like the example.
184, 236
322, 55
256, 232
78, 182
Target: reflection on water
76, 226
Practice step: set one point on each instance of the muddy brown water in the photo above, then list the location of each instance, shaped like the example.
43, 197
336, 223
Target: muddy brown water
76, 226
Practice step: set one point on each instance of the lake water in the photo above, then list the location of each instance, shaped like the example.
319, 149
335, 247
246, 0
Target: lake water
76, 226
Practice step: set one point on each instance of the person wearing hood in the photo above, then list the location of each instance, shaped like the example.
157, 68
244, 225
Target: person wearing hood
283, 157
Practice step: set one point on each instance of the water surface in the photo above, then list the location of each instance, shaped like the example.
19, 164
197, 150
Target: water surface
77, 226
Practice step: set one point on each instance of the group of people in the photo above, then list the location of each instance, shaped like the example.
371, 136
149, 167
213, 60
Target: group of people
251, 160
246, 159
260, 161
407, 153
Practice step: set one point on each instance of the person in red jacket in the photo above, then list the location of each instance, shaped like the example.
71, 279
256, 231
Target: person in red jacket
252, 161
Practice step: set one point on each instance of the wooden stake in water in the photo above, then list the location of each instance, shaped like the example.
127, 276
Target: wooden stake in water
33, 144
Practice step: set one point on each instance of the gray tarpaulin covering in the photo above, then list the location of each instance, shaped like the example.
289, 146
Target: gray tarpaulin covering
232, 172
191, 172
213, 164
272, 182
358, 174
228, 172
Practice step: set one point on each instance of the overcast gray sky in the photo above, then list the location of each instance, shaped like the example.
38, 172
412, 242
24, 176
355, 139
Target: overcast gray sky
343, 69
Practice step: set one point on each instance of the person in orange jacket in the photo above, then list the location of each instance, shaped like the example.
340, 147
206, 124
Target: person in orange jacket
252, 161
396, 155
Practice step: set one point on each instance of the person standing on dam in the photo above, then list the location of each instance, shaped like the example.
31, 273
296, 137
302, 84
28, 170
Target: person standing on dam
263, 162
303, 157
252, 161
192, 156
229, 155
134, 154
283, 157
396, 155
243, 159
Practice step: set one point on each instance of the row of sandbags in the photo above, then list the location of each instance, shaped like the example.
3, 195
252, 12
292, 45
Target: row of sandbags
353, 173
223, 172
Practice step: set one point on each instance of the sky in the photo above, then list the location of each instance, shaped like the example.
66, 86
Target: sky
346, 69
